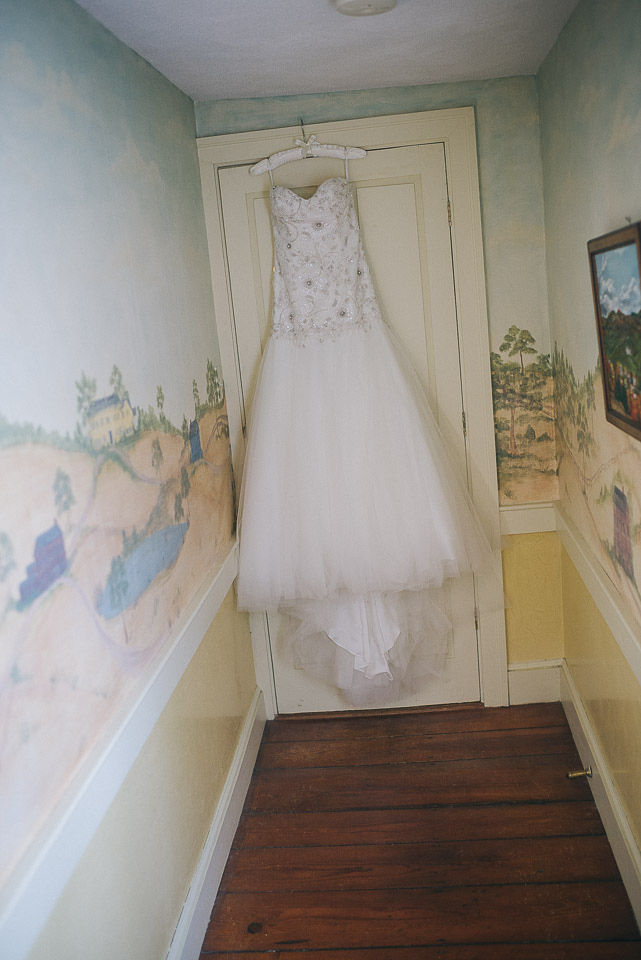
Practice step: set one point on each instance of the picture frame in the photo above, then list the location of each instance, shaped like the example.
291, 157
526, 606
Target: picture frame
615, 269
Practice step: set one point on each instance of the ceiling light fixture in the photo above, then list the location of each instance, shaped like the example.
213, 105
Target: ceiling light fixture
364, 8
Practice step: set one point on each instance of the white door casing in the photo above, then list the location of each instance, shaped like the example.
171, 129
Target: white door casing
419, 172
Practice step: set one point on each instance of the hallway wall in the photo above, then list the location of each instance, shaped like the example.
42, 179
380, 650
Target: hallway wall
590, 101
116, 508
126, 893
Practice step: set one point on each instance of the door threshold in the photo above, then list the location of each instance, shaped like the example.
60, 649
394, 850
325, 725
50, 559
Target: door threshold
381, 712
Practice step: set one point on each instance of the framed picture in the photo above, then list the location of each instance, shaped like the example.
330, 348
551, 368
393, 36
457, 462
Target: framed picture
615, 266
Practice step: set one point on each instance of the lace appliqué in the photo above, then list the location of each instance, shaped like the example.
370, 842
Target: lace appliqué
322, 285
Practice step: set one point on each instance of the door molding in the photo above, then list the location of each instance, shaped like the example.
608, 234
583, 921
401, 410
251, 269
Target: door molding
456, 130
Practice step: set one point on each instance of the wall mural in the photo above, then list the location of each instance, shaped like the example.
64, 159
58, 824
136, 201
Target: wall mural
600, 465
99, 556
599, 470
115, 473
524, 420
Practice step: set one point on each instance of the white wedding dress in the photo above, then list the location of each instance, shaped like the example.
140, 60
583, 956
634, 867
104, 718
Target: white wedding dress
351, 514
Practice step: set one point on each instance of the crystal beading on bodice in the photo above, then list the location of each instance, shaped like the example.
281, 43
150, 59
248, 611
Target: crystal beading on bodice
322, 285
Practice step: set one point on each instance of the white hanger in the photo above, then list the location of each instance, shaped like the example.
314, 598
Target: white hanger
305, 148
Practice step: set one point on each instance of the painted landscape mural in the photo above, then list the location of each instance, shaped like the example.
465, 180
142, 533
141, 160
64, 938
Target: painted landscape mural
116, 494
599, 470
97, 564
524, 419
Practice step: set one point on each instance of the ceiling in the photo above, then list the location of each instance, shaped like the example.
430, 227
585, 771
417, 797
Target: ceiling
223, 49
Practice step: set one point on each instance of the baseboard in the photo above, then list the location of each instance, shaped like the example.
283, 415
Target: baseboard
192, 923
606, 796
534, 681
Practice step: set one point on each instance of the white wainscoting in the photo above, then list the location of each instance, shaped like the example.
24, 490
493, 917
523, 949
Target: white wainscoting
606, 796
546, 680
625, 629
627, 632
45, 873
192, 924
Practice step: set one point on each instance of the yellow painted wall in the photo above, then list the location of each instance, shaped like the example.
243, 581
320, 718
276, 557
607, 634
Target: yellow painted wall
532, 585
125, 896
551, 614
608, 688
590, 144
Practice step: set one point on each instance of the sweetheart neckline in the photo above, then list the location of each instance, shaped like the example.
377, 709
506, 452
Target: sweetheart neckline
297, 196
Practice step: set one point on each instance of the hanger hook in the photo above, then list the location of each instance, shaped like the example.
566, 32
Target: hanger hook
302, 128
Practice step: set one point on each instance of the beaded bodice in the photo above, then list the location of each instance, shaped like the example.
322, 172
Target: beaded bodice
322, 285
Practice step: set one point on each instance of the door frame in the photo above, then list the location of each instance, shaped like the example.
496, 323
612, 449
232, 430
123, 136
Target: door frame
456, 130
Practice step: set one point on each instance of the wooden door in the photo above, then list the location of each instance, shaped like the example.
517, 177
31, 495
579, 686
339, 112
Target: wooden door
418, 203
402, 203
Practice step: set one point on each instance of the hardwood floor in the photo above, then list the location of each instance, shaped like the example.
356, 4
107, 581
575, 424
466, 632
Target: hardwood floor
444, 834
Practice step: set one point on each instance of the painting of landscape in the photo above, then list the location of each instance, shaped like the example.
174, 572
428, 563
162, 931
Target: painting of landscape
617, 296
524, 420
115, 528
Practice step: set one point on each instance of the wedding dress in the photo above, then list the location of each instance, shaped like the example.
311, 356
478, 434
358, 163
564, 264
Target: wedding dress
351, 515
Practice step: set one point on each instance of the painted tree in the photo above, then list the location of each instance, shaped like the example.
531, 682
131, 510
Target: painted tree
194, 386
185, 429
575, 403
148, 419
117, 385
215, 393
518, 341
62, 492
505, 393
118, 587
156, 456
565, 394
160, 403
590, 392
544, 365
584, 439
185, 486
210, 383
516, 390
86, 388
179, 513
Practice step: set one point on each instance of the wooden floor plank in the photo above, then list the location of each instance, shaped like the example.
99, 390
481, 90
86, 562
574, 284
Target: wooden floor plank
447, 834
488, 914
471, 745
419, 825
513, 780
397, 866
413, 724
619, 950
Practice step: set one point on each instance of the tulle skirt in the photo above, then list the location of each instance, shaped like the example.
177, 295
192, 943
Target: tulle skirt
351, 513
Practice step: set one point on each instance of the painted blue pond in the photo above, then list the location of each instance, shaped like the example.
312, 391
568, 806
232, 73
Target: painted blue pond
143, 565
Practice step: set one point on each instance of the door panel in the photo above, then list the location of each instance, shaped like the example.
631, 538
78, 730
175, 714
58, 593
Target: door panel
402, 203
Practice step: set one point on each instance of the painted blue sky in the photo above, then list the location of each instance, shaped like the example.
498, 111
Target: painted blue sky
103, 252
618, 276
